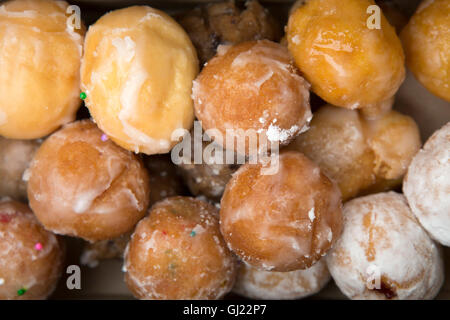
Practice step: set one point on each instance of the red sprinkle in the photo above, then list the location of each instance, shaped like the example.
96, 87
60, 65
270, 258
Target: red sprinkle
5, 218
164, 233
38, 246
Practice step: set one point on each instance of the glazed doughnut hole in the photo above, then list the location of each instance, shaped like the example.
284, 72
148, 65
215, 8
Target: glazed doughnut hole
82, 184
258, 284
360, 155
254, 87
137, 73
297, 210
347, 64
177, 252
213, 24
426, 40
15, 157
427, 185
39, 68
384, 253
31, 258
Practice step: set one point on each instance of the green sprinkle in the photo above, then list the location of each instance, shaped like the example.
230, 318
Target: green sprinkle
172, 266
82, 96
21, 291
193, 233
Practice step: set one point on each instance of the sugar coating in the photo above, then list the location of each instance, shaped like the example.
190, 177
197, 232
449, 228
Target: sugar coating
298, 214
177, 252
22, 265
258, 284
427, 185
381, 233
82, 186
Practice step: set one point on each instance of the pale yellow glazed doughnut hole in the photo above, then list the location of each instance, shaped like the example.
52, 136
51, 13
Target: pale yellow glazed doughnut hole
137, 73
39, 68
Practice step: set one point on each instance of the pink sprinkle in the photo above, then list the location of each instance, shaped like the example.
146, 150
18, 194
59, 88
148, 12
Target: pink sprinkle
104, 137
38, 246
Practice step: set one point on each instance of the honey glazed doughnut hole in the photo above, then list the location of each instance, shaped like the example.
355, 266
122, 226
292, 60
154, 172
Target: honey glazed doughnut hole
40, 58
426, 40
137, 73
347, 64
82, 184
31, 258
252, 86
177, 252
297, 210
384, 253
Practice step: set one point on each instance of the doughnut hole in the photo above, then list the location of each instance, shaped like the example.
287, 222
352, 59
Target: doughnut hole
40, 60
347, 64
258, 284
31, 258
83, 186
177, 252
298, 210
426, 40
137, 73
252, 87
384, 253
